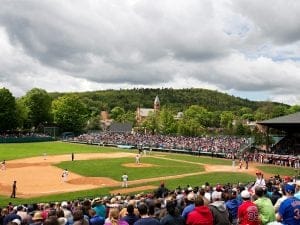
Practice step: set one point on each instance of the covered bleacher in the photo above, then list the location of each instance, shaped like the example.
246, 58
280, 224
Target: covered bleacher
290, 126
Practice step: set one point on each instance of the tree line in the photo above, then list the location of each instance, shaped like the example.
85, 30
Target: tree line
200, 111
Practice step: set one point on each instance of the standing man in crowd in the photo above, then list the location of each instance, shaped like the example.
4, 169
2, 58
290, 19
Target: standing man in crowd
247, 211
265, 207
124, 178
289, 209
260, 181
14, 190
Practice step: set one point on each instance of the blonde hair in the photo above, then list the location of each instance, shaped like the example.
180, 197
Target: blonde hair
114, 216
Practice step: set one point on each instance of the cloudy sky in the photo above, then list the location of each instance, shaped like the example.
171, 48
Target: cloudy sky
247, 48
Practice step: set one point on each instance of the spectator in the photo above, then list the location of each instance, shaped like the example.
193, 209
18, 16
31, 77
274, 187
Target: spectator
95, 219
145, 219
99, 207
289, 210
265, 208
78, 218
190, 205
162, 191
247, 211
219, 210
232, 205
37, 218
130, 218
113, 218
173, 217
201, 215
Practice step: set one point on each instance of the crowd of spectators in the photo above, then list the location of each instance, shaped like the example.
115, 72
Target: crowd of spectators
216, 144
290, 144
229, 146
276, 200
20, 134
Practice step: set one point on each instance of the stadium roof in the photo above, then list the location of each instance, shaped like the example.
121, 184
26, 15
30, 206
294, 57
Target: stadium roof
289, 123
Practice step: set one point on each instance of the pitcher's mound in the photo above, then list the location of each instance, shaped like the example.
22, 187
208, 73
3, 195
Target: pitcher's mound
138, 165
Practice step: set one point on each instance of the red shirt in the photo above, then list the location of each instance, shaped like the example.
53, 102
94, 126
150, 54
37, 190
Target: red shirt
248, 213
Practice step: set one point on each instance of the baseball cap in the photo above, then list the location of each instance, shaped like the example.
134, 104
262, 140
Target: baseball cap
191, 196
289, 188
245, 194
64, 204
17, 221
287, 179
216, 195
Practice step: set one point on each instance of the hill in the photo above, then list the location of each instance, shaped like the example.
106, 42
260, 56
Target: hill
177, 99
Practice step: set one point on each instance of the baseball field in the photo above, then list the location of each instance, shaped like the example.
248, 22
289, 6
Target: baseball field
97, 171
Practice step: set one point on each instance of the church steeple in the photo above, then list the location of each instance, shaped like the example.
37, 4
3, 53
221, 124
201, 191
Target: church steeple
156, 104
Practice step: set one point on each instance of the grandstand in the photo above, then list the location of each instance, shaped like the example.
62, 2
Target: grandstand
288, 125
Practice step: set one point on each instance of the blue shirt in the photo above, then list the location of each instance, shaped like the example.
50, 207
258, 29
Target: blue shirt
147, 221
289, 210
232, 206
187, 210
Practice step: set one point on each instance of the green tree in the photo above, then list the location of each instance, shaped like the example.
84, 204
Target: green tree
151, 123
22, 113
38, 103
167, 123
227, 118
70, 114
199, 114
244, 110
294, 109
8, 111
248, 116
128, 117
117, 113
279, 110
190, 127
259, 116
93, 123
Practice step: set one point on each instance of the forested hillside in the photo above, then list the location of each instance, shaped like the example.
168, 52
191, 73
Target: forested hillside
200, 110
176, 99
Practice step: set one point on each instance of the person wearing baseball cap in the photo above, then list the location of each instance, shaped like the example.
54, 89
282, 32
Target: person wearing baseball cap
247, 211
289, 210
260, 181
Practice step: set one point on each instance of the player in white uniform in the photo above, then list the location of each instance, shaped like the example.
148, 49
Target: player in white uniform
124, 178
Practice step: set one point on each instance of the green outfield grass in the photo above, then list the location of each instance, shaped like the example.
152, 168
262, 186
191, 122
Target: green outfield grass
113, 168
201, 159
25, 150
275, 170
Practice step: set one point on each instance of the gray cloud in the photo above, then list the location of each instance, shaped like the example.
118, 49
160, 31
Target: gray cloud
87, 45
